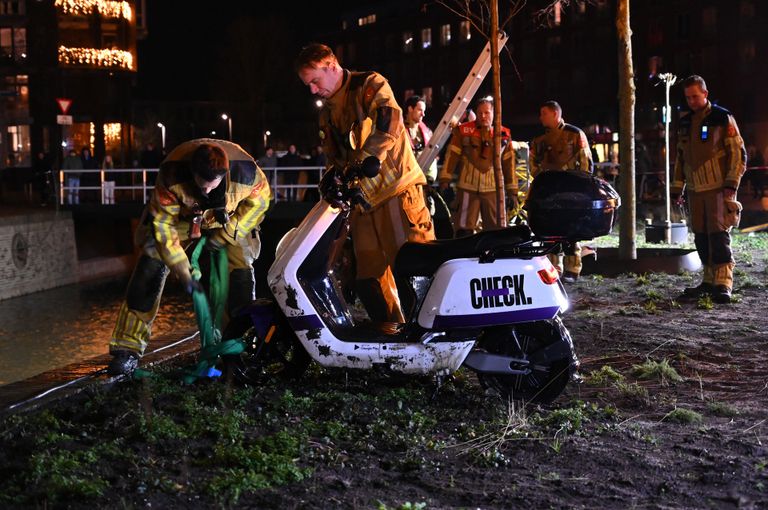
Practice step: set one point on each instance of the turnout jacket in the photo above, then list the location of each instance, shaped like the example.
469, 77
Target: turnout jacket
710, 151
363, 119
473, 146
235, 207
562, 148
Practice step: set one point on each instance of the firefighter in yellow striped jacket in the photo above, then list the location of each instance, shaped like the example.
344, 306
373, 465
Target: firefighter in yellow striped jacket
361, 118
472, 145
562, 147
709, 163
207, 188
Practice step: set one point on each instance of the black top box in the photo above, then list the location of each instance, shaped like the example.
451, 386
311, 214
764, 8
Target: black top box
571, 206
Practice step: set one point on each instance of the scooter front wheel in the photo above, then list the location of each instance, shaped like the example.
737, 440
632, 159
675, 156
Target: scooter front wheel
279, 353
548, 367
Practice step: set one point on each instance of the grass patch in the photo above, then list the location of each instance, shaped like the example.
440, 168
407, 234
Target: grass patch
660, 370
683, 416
603, 377
722, 409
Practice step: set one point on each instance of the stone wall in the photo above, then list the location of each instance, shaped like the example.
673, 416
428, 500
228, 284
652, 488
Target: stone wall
37, 252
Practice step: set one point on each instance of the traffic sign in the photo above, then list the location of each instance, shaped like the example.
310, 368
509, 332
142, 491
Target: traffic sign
64, 104
64, 120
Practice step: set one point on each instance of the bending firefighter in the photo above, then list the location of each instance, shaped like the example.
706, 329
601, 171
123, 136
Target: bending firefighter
360, 118
561, 147
204, 187
710, 162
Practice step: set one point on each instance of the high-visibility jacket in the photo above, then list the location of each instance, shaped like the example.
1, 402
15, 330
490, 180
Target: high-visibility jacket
237, 206
363, 119
710, 151
562, 148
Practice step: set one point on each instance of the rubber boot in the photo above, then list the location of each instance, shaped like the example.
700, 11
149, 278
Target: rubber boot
123, 362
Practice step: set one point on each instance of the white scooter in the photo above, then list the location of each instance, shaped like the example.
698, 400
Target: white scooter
490, 302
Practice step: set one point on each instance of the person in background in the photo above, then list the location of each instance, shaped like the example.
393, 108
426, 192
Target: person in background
418, 132
108, 187
710, 162
562, 147
472, 145
204, 187
360, 118
42, 177
72, 178
291, 159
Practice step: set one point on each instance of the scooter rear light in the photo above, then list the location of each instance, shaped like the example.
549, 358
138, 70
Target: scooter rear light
548, 275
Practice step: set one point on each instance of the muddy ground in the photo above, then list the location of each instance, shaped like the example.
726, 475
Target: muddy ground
671, 412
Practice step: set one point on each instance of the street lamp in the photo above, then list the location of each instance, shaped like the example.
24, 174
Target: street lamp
267, 134
669, 79
162, 134
226, 117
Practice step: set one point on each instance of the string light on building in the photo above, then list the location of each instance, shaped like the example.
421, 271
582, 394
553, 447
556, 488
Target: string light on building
112, 133
96, 57
106, 8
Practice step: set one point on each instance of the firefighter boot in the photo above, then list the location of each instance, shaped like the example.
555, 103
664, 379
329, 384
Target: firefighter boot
705, 287
123, 362
723, 283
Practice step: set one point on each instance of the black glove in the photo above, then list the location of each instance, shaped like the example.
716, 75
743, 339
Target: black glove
512, 202
189, 284
330, 186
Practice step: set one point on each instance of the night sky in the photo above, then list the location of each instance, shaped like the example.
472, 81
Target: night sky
186, 39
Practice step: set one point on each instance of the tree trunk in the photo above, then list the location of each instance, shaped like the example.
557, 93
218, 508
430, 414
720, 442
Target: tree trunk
501, 201
627, 245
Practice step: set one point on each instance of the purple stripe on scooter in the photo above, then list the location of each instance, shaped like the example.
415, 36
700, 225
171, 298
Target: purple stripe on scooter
302, 322
495, 292
490, 319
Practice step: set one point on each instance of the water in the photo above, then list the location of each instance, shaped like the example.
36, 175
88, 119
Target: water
50, 329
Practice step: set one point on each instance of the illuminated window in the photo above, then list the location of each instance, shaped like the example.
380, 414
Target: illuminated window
407, 42
112, 137
15, 96
13, 44
19, 146
709, 21
426, 38
557, 14
11, 7
92, 57
445, 35
426, 95
366, 20
465, 33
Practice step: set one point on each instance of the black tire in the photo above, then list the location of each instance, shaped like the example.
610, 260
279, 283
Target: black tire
549, 375
282, 356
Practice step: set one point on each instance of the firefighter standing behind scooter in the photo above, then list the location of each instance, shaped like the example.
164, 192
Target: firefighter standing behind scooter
561, 147
710, 162
204, 187
361, 118
472, 144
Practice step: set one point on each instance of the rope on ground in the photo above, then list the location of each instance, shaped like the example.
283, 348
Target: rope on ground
208, 318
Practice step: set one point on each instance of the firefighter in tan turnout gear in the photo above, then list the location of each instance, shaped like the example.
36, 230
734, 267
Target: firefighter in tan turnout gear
710, 161
207, 188
361, 118
561, 147
472, 146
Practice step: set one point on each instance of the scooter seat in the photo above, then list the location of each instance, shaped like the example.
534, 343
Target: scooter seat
423, 259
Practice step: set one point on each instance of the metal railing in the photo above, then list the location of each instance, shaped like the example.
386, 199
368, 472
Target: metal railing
112, 189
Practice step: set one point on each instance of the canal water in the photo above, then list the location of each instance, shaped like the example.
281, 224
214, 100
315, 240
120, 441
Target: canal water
51, 329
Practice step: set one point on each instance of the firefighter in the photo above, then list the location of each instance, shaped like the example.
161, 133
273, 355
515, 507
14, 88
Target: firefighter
360, 118
472, 145
561, 147
709, 164
204, 187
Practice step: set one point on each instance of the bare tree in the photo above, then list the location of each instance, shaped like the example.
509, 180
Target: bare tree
627, 248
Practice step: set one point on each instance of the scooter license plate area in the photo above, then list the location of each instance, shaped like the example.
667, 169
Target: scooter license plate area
466, 294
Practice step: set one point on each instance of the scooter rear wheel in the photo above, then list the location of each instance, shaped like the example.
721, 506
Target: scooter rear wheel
548, 376
283, 355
